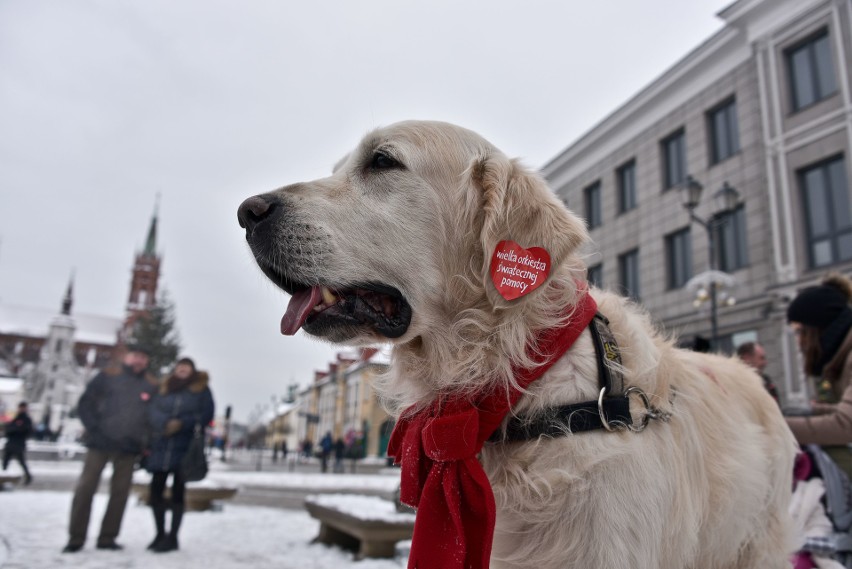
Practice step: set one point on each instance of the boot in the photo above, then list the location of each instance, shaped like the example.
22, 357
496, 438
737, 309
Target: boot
160, 523
170, 543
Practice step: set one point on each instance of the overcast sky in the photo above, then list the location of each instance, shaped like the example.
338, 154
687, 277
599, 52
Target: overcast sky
104, 104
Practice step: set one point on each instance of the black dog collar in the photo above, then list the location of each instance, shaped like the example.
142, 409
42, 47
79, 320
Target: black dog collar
611, 411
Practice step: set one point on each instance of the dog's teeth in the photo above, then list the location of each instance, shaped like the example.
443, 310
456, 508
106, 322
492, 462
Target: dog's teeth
327, 296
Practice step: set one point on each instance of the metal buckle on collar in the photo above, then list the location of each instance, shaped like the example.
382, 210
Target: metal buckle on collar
651, 413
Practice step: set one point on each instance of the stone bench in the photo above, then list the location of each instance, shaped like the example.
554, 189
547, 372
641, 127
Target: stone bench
367, 524
196, 498
9, 479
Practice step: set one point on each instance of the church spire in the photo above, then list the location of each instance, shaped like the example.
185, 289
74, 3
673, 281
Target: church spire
151, 242
146, 274
69, 296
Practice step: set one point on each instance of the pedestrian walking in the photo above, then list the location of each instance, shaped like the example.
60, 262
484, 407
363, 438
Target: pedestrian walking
339, 452
114, 411
326, 445
183, 405
17, 431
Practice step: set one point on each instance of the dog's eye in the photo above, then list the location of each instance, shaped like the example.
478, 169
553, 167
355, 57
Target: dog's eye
382, 161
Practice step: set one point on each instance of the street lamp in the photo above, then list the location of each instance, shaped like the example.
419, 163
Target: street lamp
726, 200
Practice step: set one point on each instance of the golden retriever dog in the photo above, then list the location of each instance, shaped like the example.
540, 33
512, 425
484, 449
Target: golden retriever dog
397, 246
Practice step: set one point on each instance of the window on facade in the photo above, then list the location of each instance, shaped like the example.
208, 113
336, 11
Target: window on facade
626, 182
592, 198
811, 71
724, 131
594, 275
729, 240
679, 258
628, 273
674, 159
825, 193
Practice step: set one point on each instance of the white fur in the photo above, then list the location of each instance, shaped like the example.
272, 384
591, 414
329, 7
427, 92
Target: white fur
707, 489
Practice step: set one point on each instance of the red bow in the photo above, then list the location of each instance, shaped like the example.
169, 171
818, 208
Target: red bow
441, 475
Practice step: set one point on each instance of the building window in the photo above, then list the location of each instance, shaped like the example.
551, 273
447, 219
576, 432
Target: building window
811, 71
592, 198
594, 275
628, 273
674, 159
724, 131
679, 258
626, 182
825, 194
729, 240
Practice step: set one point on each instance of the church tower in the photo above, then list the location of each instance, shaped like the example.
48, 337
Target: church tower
56, 381
146, 274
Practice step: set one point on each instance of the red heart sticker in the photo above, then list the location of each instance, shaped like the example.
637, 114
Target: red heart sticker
516, 271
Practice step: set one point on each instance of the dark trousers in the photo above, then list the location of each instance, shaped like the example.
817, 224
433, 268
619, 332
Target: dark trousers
18, 453
87, 485
158, 487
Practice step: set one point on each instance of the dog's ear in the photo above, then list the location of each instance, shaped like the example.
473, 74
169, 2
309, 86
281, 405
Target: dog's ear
518, 205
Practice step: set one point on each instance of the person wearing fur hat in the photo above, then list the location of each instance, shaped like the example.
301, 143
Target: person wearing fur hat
823, 321
184, 401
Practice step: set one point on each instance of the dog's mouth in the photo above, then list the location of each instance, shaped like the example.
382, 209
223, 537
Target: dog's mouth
340, 312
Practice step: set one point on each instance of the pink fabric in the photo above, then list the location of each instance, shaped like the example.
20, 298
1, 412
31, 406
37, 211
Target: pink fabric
441, 475
802, 467
803, 561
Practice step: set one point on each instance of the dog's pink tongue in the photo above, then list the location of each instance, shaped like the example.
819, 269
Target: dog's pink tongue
301, 304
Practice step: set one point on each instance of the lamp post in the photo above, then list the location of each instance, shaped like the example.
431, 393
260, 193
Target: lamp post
726, 200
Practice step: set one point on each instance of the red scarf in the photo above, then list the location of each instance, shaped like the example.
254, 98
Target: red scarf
441, 475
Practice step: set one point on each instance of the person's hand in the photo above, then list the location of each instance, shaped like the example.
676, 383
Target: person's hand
172, 427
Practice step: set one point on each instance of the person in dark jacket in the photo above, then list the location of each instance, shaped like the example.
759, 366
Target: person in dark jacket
114, 411
339, 451
754, 354
183, 403
326, 446
18, 430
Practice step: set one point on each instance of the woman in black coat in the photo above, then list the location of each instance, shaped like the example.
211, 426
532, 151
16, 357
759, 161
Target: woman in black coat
183, 402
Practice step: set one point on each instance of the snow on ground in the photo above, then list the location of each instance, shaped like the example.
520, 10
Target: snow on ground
328, 481
363, 507
34, 526
221, 476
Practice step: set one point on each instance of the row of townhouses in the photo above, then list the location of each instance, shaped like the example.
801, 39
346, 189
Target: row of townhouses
341, 401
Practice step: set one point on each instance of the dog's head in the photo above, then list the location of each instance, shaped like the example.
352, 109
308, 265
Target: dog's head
399, 238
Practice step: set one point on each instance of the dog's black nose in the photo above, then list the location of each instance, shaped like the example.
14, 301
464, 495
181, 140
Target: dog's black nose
253, 211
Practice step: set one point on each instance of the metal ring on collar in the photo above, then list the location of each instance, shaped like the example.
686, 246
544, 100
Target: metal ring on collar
646, 402
604, 421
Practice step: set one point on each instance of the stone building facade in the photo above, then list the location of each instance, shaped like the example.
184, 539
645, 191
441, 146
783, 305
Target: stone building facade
764, 106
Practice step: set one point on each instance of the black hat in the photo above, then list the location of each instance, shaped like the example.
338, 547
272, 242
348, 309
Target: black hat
138, 348
818, 306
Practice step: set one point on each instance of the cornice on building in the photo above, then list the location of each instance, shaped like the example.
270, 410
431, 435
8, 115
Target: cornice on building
746, 21
697, 71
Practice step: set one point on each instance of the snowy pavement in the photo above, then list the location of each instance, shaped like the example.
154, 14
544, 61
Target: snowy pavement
34, 526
